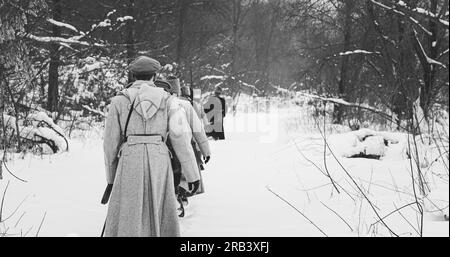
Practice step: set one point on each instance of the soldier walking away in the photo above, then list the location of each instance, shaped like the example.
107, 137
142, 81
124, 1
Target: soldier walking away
200, 145
216, 110
138, 167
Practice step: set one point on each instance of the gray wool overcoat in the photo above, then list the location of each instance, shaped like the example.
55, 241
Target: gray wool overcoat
143, 201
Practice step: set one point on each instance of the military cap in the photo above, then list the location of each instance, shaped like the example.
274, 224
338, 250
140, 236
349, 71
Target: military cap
144, 65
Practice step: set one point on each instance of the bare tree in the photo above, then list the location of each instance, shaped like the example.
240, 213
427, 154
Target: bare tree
53, 72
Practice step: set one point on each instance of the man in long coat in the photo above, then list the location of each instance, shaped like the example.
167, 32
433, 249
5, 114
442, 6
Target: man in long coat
216, 110
201, 144
143, 202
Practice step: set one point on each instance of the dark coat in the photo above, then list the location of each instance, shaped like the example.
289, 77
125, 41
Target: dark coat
216, 111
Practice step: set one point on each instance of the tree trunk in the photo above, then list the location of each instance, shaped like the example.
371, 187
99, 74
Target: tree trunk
16, 115
343, 80
429, 72
237, 7
130, 35
182, 8
263, 39
273, 24
2, 120
130, 31
423, 52
400, 100
53, 75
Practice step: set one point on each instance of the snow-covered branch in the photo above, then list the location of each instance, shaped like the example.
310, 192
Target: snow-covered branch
233, 78
87, 108
213, 77
445, 52
56, 40
348, 104
354, 52
408, 17
249, 86
423, 12
63, 25
60, 40
76, 39
423, 57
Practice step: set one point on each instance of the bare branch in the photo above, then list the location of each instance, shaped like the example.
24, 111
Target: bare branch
295, 208
40, 225
3, 201
348, 225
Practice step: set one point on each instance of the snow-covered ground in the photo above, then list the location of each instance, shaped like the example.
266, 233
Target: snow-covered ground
261, 162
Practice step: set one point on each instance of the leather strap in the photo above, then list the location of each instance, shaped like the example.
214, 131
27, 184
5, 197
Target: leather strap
124, 136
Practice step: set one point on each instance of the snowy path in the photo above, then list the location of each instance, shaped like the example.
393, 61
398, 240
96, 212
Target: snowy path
237, 202
67, 188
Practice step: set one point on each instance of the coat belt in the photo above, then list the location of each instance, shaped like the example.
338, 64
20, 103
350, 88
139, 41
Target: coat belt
144, 139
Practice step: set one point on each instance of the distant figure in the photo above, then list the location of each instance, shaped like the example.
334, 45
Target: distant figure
139, 173
186, 94
216, 110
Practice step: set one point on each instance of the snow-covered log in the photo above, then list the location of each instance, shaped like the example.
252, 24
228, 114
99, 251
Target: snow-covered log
364, 143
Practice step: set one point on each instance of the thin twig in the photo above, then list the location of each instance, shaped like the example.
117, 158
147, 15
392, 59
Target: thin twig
393, 212
419, 206
12, 174
42, 222
17, 208
326, 174
356, 184
295, 208
407, 221
20, 218
3, 201
350, 227
28, 231
325, 152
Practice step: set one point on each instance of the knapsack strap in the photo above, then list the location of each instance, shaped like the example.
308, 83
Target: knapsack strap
124, 136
